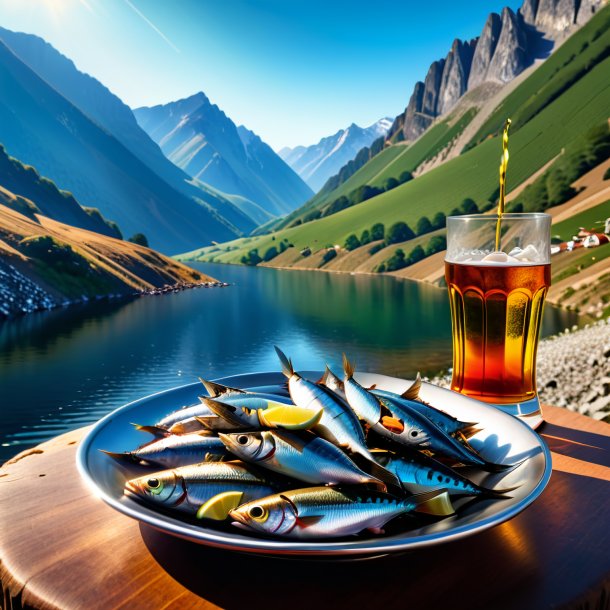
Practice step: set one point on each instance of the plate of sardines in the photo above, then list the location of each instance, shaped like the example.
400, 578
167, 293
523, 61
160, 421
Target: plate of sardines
315, 464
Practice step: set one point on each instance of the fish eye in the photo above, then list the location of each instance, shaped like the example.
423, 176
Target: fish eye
242, 439
414, 433
153, 483
258, 513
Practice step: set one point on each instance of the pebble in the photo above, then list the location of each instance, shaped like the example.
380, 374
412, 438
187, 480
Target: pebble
573, 370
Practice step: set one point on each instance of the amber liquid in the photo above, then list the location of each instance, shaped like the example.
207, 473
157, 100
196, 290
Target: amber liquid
496, 313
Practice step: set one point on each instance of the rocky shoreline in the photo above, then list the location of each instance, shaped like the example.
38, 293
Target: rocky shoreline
573, 370
20, 296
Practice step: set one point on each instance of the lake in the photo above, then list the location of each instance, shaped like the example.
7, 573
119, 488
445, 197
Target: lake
67, 368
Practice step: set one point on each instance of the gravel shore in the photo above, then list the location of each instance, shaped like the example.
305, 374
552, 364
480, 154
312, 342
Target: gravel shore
573, 370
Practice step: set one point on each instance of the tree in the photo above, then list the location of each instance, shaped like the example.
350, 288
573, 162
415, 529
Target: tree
377, 231
417, 254
328, 256
270, 254
351, 242
423, 226
365, 238
405, 177
391, 183
398, 232
439, 221
558, 187
436, 244
380, 268
336, 206
455, 212
140, 239
374, 249
364, 192
607, 174
396, 261
252, 259
469, 206
283, 246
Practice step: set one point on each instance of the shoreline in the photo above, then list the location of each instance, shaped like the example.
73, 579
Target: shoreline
48, 305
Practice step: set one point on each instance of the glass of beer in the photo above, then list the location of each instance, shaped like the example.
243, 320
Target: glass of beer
497, 297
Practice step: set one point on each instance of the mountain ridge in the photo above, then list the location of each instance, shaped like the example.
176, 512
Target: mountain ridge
200, 138
316, 163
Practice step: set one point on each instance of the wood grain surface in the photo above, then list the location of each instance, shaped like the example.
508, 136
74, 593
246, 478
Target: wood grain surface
61, 547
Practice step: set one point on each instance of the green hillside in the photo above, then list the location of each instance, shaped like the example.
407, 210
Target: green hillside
472, 174
591, 219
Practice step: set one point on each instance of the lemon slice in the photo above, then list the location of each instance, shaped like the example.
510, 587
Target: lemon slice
290, 417
218, 507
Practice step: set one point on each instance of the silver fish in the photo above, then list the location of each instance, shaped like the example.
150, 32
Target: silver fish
241, 416
302, 456
339, 424
326, 512
188, 488
417, 469
228, 394
172, 451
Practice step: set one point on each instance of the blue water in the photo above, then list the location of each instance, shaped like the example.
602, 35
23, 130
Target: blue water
63, 369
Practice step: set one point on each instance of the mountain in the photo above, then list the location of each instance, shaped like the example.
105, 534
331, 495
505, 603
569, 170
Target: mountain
559, 111
508, 44
199, 137
318, 162
42, 128
45, 263
26, 184
94, 100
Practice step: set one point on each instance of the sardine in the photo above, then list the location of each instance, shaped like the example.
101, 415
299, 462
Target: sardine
189, 488
326, 512
423, 471
302, 456
172, 451
338, 424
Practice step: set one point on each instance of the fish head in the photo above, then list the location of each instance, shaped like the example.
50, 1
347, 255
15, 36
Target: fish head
250, 446
271, 515
414, 434
166, 488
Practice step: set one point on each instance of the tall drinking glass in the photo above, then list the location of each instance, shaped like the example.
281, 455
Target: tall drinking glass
497, 298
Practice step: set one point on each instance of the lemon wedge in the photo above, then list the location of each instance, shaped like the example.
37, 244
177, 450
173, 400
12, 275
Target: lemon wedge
218, 507
290, 417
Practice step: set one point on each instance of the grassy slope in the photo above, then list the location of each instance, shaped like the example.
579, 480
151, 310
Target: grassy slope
591, 219
552, 76
100, 264
473, 174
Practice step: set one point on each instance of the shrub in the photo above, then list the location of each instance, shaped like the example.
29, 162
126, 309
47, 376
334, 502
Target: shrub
423, 226
469, 206
438, 243
405, 177
391, 183
328, 256
439, 221
270, 254
377, 231
398, 232
252, 259
314, 215
380, 268
365, 238
396, 261
374, 249
364, 192
352, 242
417, 254
607, 174
296, 223
140, 239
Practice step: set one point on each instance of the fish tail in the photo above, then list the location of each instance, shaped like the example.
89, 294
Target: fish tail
496, 494
348, 367
436, 502
156, 431
222, 410
325, 375
121, 457
412, 392
213, 389
468, 429
286, 363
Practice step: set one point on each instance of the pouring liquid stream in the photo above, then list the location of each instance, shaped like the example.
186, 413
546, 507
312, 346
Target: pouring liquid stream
503, 166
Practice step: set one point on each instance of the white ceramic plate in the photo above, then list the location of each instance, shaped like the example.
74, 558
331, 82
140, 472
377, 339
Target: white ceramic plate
504, 439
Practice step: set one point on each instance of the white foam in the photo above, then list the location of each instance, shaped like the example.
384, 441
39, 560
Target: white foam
516, 257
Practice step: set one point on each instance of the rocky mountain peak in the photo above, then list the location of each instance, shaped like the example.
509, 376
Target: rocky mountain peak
455, 74
484, 50
511, 57
556, 15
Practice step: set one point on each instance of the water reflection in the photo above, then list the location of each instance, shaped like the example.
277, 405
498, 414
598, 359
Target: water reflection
66, 368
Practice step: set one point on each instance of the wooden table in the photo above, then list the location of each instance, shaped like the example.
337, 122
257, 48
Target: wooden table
62, 548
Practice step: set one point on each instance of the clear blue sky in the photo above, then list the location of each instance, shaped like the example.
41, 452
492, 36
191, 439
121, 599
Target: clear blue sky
293, 71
